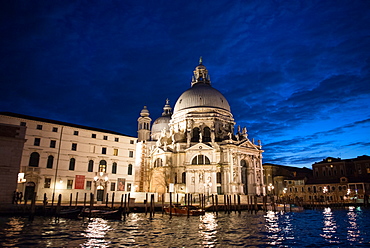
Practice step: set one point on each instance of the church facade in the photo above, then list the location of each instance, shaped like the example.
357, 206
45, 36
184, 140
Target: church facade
194, 147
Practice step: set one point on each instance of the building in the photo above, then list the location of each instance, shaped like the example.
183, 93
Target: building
12, 139
195, 149
282, 180
55, 157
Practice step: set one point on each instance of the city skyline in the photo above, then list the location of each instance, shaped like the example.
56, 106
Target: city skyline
296, 75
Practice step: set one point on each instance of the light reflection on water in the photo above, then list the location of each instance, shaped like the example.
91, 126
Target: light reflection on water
319, 228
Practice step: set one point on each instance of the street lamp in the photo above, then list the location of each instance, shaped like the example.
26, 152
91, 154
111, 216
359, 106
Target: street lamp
270, 188
324, 191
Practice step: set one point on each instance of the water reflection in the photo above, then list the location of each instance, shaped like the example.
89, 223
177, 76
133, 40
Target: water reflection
96, 230
208, 229
13, 230
329, 228
353, 232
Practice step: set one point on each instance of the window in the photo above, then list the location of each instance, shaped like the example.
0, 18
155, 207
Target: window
90, 167
47, 183
115, 152
104, 150
88, 185
112, 186
39, 127
72, 163
218, 177
183, 177
131, 142
53, 143
116, 139
55, 129
103, 166
74, 146
69, 184
200, 159
114, 168
93, 135
175, 178
129, 171
129, 187
23, 124
131, 154
105, 137
37, 142
50, 162
75, 133
158, 162
34, 159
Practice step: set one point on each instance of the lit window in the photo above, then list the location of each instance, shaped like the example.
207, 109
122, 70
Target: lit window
88, 185
47, 183
115, 152
103, 166
69, 184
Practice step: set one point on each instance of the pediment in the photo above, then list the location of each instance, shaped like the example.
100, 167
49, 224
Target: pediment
200, 146
247, 144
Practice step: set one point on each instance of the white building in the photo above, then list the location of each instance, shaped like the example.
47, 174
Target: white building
195, 148
64, 158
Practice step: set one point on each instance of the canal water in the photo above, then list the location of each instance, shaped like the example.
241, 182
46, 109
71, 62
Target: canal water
310, 228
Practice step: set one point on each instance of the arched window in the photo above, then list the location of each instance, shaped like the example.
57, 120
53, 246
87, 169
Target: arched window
103, 166
114, 168
158, 162
50, 162
129, 171
90, 167
183, 177
34, 159
207, 134
72, 163
200, 159
195, 137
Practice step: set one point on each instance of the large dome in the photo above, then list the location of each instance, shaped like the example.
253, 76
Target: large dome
201, 95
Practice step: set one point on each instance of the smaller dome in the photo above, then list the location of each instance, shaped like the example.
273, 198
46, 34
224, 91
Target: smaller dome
160, 124
144, 112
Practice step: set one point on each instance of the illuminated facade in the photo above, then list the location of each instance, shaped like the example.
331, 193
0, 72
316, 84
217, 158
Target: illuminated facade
194, 149
64, 158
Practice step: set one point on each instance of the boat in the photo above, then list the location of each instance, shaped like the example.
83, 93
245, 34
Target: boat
105, 214
184, 210
69, 213
287, 208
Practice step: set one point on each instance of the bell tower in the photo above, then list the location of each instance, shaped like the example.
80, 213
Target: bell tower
144, 125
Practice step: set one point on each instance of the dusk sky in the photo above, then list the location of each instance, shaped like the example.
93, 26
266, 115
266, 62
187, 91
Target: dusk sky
295, 73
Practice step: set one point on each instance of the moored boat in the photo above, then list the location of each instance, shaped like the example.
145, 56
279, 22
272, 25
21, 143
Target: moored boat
105, 214
184, 210
69, 213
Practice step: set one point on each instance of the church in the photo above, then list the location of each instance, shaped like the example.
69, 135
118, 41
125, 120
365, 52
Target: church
193, 147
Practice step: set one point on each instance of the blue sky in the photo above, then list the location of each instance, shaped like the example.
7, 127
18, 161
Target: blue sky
296, 73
